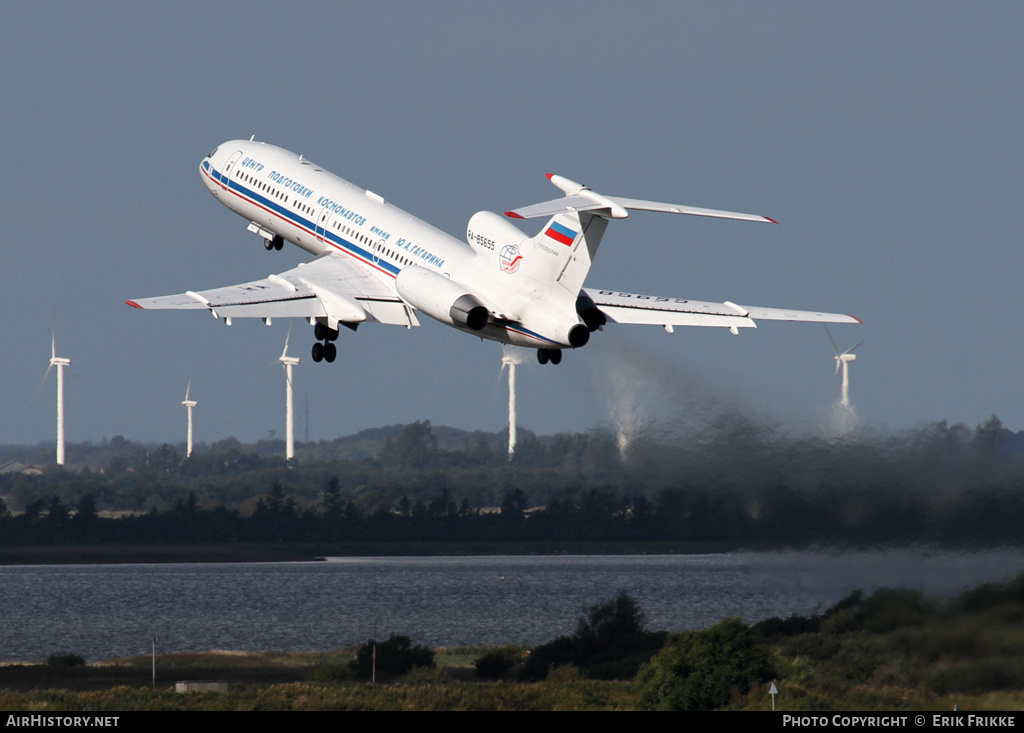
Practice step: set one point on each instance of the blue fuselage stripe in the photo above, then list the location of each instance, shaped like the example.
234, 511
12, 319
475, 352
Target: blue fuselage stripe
301, 222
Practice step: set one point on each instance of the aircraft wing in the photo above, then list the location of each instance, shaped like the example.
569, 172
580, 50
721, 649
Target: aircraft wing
668, 312
329, 286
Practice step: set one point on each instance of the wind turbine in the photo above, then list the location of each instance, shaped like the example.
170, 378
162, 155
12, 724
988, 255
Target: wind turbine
843, 361
60, 363
288, 362
510, 358
189, 404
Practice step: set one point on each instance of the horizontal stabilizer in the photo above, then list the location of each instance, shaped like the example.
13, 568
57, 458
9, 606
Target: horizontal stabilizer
581, 198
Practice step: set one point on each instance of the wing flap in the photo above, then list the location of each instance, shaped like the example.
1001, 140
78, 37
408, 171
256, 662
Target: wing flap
779, 314
652, 310
329, 286
662, 311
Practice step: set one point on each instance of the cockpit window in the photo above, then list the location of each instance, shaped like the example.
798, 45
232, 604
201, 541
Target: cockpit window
213, 153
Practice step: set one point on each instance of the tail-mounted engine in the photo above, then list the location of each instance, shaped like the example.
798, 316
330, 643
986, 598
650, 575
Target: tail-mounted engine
589, 312
442, 299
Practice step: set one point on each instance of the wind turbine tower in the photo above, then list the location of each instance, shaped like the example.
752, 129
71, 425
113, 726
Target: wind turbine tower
60, 363
288, 362
189, 404
510, 358
843, 360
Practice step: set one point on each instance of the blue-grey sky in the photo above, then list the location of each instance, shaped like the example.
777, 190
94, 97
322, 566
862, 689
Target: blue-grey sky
885, 137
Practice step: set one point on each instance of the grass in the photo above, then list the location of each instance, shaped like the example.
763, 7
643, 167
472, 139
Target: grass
279, 681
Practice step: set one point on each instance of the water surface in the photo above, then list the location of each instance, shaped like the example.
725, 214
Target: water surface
105, 611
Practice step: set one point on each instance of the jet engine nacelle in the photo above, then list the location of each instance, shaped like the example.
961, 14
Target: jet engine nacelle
441, 299
575, 334
589, 312
488, 233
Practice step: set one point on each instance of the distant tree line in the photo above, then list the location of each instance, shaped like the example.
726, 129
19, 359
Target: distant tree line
734, 482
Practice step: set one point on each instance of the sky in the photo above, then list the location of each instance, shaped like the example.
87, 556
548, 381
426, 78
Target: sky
885, 138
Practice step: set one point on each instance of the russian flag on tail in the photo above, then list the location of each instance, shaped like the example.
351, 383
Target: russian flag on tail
561, 234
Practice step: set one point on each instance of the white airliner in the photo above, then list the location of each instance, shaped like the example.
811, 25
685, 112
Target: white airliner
374, 262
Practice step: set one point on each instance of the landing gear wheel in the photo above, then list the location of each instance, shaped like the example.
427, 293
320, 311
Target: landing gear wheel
268, 244
330, 352
323, 333
552, 355
318, 352
278, 243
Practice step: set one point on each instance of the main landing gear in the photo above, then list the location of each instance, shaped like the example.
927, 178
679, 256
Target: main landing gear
325, 351
276, 243
552, 355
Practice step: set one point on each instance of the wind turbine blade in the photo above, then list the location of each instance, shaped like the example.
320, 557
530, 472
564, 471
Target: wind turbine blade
287, 338
834, 347
45, 375
188, 388
497, 382
850, 350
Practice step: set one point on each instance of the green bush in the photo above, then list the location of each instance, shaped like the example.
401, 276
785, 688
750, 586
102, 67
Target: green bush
984, 675
497, 663
396, 656
609, 644
700, 670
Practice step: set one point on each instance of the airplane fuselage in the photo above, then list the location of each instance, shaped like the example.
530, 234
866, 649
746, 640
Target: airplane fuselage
285, 196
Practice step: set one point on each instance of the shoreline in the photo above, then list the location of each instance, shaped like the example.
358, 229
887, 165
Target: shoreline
245, 553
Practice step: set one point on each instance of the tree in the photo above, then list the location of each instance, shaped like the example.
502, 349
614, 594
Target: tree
699, 670
85, 518
609, 643
416, 447
396, 656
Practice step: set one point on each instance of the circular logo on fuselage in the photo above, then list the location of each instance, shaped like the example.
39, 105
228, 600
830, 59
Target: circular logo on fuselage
509, 258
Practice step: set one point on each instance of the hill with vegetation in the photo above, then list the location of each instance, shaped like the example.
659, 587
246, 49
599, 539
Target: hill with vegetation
734, 483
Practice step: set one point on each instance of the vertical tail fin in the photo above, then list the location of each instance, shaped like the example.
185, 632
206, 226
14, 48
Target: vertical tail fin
564, 250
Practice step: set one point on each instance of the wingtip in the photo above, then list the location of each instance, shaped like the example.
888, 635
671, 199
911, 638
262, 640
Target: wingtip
549, 176
769, 219
133, 304
513, 215
854, 318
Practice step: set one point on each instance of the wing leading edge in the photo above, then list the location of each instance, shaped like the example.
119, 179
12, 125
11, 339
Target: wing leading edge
328, 286
668, 312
